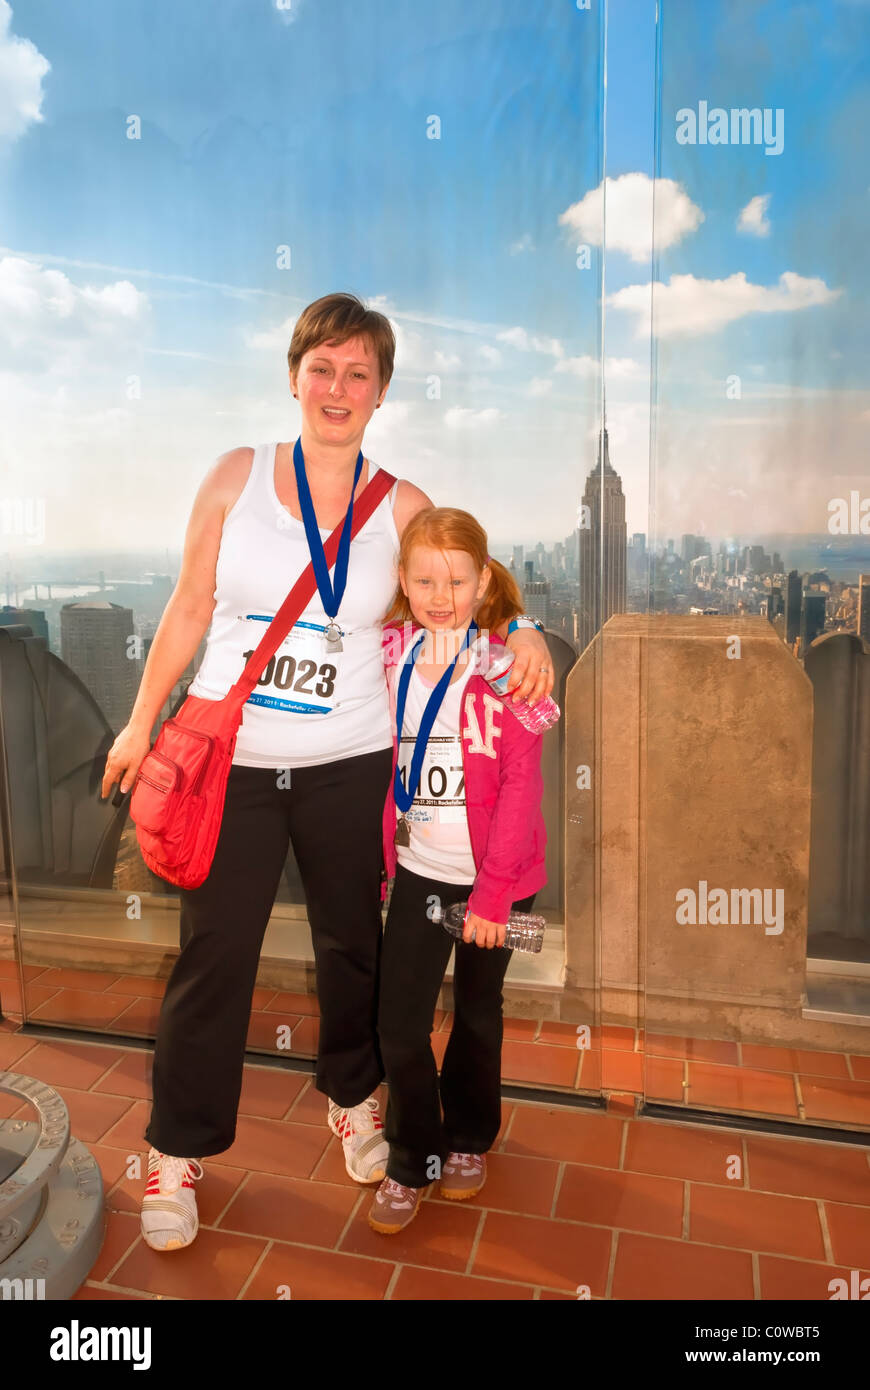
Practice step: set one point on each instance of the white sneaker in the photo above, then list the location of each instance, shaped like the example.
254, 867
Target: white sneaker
361, 1131
169, 1217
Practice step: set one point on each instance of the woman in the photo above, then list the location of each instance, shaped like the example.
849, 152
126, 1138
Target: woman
246, 544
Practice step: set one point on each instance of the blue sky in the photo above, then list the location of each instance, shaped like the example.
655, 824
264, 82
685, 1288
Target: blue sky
146, 320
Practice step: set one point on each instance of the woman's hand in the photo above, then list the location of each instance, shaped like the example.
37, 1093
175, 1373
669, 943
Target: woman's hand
485, 933
124, 757
527, 680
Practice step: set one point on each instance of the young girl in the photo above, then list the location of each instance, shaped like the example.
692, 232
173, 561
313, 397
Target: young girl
474, 831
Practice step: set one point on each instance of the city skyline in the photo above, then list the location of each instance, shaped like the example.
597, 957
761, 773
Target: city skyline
568, 585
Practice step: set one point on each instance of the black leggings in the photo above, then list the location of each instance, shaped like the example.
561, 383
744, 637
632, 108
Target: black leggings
332, 816
415, 954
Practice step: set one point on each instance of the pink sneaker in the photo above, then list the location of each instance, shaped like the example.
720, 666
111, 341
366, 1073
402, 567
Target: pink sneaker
462, 1176
394, 1206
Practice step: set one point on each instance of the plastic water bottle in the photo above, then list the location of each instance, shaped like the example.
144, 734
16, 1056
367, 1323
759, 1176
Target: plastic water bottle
536, 719
525, 930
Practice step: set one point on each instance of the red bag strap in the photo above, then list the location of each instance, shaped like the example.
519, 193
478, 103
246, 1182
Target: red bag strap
372, 494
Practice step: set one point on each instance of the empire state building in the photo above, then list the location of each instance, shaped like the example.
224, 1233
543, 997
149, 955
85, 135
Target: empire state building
602, 548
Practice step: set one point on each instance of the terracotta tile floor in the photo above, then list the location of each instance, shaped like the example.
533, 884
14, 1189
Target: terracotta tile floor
814, 1087
575, 1199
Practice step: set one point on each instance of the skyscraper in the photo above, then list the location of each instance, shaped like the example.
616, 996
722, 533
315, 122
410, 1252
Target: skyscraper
793, 595
812, 619
96, 642
33, 618
536, 600
602, 548
864, 607
687, 548
758, 560
637, 558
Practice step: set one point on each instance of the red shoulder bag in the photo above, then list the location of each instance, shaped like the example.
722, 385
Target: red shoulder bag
178, 797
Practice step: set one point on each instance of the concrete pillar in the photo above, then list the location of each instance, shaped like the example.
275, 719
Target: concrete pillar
698, 735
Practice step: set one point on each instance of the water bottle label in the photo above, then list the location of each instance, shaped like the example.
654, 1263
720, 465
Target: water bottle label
499, 681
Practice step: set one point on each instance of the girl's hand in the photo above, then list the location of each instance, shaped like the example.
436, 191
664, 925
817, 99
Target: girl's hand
527, 680
485, 933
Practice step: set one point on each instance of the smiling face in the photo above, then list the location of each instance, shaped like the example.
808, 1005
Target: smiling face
443, 588
338, 389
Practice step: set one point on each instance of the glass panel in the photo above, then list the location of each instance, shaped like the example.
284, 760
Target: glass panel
453, 180
754, 814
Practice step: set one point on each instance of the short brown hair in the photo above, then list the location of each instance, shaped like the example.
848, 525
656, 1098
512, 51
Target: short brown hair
336, 318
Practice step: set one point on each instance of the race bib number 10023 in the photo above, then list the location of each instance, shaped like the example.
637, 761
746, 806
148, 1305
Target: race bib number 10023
302, 677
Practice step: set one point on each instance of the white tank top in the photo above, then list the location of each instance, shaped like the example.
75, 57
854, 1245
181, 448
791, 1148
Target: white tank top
309, 706
440, 844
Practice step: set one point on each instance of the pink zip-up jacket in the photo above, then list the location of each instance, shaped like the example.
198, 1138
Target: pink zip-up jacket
501, 763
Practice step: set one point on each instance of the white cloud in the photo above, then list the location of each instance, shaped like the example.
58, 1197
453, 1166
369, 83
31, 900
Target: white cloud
386, 421
753, 218
519, 338
630, 215
515, 337
287, 10
524, 244
757, 471
447, 361
625, 368
48, 322
141, 273
490, 355
413, 353
689, 307
274, 339
540, 386
578, 366
22, 68
462, 417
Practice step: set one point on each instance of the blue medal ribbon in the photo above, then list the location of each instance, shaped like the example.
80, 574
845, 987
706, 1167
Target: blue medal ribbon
330, 594
404, 799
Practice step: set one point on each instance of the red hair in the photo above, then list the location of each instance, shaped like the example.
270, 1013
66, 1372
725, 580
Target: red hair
449, 528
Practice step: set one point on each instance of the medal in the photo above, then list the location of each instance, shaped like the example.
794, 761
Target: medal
404, 799
330, 594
